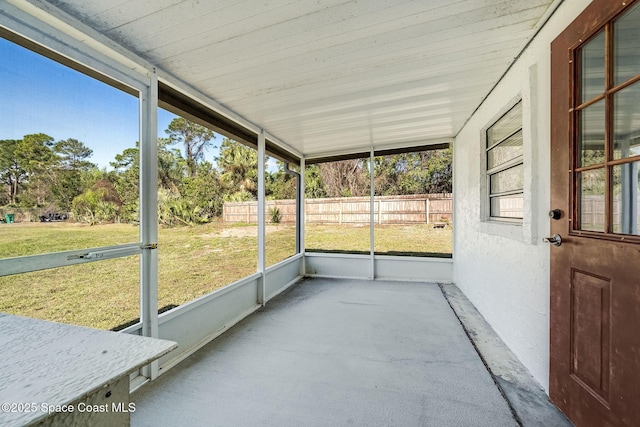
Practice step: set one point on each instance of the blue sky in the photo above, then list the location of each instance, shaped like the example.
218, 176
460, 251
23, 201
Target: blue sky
38, 95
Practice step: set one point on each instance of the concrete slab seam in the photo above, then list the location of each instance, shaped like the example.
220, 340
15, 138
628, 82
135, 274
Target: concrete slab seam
482, 358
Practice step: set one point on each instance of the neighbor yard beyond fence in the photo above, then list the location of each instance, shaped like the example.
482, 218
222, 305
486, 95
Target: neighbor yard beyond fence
412, 209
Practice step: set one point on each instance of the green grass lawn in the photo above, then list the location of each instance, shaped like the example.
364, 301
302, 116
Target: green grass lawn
193, 261
413, 238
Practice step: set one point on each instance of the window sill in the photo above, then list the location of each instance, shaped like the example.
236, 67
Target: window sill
508, 229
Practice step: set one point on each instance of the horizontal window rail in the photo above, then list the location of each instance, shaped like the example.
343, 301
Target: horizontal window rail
25, 264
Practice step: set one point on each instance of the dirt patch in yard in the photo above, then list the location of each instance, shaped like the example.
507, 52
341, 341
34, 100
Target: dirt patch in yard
244, 231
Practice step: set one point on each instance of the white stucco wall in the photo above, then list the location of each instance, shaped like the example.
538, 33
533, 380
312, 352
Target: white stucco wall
504, 269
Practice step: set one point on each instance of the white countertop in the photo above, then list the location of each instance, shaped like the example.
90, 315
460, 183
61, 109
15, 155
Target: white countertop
51, 363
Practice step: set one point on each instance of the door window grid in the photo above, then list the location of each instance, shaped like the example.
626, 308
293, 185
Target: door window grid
607, 143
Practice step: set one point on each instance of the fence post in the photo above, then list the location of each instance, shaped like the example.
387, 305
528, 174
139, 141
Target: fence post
426, 205
340, 213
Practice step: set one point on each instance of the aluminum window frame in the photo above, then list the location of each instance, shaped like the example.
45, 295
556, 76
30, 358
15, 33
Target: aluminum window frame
509, 164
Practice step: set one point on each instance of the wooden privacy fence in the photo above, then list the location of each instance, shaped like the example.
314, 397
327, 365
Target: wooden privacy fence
592, 212
422, 208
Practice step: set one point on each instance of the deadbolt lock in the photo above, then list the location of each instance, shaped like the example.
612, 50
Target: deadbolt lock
555, 214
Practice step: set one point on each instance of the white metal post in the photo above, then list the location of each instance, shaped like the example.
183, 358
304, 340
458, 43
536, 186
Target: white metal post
149, 214
372, 219
301, 219
261, 218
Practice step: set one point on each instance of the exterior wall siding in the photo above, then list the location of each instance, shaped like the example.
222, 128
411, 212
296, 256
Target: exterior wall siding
503, 268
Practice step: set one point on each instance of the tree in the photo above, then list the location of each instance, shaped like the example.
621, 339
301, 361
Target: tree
195, 138
182, 199
389, 171
73, 154
414, 173
428, 172
171, 165
35, 152
12, 173
127, 182
313, 185
399, 174
238, 166
93, 207
38, 159
204, 193
345, 178
279, 184
71, 162
23, 165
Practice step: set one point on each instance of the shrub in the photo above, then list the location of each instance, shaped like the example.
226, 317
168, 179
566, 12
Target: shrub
275, 215
90, 207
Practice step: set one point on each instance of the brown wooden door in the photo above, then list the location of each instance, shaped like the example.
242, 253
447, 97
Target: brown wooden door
595, 272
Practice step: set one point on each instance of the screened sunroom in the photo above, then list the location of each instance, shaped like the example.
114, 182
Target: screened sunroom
319, 212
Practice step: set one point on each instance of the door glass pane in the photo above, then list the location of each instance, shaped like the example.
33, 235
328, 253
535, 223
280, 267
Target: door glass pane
626, 53
592, 75
507, 150
505, 126
625, 198
507, 206
626, 122
507, 180
591, 136
592, 200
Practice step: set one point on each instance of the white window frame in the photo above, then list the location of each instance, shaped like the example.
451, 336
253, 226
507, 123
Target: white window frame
515, 162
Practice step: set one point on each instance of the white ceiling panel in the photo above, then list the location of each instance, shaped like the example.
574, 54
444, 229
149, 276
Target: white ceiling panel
329, 75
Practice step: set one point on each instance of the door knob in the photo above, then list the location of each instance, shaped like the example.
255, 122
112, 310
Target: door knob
555, 214
555, 240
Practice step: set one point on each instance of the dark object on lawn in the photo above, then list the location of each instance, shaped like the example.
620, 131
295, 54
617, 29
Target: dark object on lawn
51, 217
439, 224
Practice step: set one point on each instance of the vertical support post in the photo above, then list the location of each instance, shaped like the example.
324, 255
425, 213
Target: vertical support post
372, 219
261, 218
303, 211
149, 214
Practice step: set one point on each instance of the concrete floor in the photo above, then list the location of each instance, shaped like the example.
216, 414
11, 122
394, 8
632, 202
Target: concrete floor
334, 352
